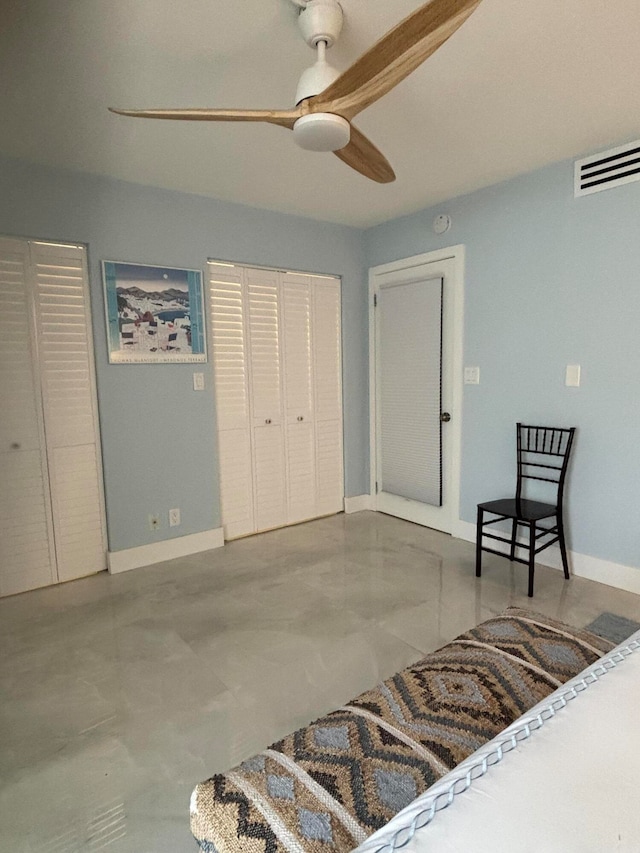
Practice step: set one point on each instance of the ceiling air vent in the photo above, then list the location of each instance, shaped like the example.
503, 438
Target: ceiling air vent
608, 169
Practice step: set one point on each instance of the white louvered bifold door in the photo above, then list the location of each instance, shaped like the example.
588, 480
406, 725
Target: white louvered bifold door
298, 409
263, 308
230, 360
276, 346
70, 410
27, 557
327, 382
52, 515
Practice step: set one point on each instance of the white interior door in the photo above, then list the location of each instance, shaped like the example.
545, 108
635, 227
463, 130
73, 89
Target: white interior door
416, 405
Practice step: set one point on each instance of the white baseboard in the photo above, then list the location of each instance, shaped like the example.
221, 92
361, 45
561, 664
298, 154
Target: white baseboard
580, 565
168, 549
358, 504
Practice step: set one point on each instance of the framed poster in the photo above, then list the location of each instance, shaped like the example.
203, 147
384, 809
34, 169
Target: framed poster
154, 314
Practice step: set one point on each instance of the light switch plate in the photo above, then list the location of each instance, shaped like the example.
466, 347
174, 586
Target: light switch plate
472, 376
572, 376
198, 381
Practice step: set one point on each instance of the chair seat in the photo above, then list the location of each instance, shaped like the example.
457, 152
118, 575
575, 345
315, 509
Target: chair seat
528, 510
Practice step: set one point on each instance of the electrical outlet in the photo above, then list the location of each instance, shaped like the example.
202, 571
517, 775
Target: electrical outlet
154, 522
174, 517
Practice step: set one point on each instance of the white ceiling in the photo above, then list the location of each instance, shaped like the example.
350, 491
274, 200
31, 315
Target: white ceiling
520, 85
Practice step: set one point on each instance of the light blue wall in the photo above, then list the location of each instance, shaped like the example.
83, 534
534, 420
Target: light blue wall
158, 435
550, 281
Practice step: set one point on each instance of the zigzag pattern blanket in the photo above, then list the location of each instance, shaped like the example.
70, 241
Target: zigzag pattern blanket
328, 786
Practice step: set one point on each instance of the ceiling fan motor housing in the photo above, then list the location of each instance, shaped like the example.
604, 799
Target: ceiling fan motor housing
315, 80
322, 132
321, 20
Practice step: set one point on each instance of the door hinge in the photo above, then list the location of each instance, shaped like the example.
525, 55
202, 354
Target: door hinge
375, 300
376, 487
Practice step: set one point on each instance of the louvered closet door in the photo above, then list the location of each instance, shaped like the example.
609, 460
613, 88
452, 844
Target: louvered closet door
327, 383
298, 409
70, 410
229, 348
27, 558
263, 308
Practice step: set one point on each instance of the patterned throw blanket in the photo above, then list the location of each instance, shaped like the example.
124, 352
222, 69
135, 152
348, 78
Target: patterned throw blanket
327, 787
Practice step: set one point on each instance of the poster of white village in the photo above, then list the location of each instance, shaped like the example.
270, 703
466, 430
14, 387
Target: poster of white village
154, 314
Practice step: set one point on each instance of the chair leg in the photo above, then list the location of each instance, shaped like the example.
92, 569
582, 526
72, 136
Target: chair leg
563, 546
532, 555
514, 533
479, 542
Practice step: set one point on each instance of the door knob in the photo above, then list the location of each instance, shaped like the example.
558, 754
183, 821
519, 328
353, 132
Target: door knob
445, 417
267, 420
300, 418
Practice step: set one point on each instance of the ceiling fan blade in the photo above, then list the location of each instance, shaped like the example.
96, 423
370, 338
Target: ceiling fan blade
393, 57
284, 118
363, 156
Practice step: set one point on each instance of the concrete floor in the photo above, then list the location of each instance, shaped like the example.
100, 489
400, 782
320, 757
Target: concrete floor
119, 693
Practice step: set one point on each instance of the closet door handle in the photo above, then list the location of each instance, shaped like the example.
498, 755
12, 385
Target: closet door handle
300, 418
268, 421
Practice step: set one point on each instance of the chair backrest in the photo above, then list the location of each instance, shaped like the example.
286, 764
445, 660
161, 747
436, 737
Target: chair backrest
543, 455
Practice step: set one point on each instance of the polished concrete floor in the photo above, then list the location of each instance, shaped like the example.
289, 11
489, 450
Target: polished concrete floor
119, 693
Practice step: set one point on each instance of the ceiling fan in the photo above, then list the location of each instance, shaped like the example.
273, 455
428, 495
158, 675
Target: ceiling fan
328, 100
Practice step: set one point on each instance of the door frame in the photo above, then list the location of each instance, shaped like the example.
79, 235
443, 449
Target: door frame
453, 328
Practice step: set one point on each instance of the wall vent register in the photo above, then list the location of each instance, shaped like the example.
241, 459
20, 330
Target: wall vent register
608, 169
